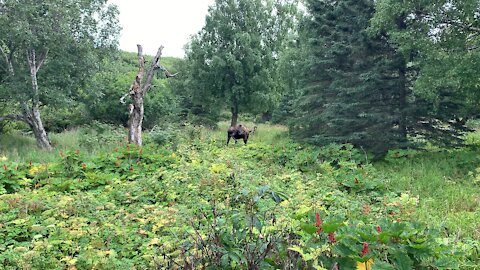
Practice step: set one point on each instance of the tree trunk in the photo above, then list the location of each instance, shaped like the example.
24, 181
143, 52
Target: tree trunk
403, 104
32, 116
234, 114
266, 116
137, 93
36, 124
136, 120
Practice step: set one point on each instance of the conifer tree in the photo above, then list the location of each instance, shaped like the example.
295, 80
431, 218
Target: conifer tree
352, 92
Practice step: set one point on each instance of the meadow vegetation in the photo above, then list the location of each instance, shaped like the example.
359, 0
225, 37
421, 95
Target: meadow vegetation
374, 163
194, 203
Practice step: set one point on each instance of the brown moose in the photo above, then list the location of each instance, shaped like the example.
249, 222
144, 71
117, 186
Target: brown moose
239, 132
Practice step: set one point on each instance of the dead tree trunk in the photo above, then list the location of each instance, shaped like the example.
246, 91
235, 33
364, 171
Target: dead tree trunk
137, 93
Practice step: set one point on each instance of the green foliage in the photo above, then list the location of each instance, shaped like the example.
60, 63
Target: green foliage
232, 60
114, 81
218, 207
97, 134
352, 88
442, 60
65, 40
424, 173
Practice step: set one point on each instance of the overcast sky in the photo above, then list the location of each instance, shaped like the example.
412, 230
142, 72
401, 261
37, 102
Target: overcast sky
152, 23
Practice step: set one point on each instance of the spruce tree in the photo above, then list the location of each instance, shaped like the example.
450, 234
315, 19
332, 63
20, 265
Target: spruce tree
352, 89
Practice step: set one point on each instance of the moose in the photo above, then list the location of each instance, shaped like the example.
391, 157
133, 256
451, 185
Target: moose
239, 132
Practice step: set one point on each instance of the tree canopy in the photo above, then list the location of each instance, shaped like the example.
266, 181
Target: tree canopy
233, 57
49, 49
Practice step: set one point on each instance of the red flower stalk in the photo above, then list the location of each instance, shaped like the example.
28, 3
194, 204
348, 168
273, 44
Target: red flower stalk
364, 249
84, 166
77, 152
318, 223
331, 237
131, 168
141, 150
356, 180
5, 167
379, 229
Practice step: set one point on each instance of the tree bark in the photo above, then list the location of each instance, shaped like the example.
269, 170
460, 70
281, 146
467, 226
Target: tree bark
135, 118
234, 114
137, 93
32, 116
403, 104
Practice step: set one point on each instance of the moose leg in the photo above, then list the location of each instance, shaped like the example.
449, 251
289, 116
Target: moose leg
245, 139
228, 140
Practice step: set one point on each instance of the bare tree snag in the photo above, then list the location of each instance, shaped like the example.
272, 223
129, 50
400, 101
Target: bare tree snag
137, 93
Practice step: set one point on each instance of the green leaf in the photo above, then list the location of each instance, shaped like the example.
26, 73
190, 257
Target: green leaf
402, 261
309, 228
382, 266
446, 263
329, 227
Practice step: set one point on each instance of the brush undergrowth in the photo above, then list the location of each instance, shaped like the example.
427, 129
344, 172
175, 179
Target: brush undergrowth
194, 203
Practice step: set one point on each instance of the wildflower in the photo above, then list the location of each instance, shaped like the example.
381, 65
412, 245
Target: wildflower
84, 166
174, 155
331, 237
3, 158
77, 152
318, 223
30, 164
364, 249
141, 151
131, 168
61, 153
379, 229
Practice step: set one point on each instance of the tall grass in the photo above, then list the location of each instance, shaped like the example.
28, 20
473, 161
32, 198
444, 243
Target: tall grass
18, 147
444, 183
271, 134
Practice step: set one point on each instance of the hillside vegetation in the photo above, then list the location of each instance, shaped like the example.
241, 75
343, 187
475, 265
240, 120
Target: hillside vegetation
194, 203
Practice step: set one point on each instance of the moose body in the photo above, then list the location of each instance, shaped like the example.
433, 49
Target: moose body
238, 132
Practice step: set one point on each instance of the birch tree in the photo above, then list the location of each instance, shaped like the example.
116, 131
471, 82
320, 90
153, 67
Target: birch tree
46, 48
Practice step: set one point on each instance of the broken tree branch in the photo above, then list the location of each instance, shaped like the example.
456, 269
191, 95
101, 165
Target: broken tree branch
13, 117
42, 59
151, 72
